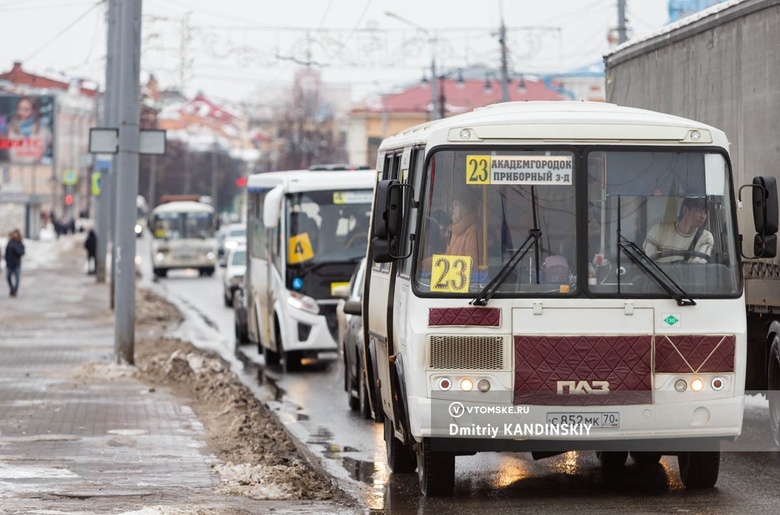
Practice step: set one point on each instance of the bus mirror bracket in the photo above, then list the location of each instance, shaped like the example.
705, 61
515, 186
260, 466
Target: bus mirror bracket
765, 216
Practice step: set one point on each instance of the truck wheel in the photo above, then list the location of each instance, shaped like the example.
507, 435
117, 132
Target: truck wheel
435, 470
773, 388
612, 459
400, 457
699, 469
646, 458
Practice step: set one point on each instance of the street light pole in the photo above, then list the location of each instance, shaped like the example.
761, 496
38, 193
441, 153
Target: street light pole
432, 41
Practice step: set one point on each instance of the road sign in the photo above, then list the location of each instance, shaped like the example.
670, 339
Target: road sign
95, 184
70, 177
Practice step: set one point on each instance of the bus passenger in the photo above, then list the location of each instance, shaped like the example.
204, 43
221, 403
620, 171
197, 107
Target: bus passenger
464, 232
686, 239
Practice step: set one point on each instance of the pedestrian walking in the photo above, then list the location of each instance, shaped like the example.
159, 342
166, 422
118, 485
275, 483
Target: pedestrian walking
91, 245
14, 251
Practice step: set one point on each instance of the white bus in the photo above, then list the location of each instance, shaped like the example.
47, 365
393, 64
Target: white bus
183, 237
306, 232
548, 327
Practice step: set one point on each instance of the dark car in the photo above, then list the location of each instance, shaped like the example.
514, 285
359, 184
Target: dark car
351, 341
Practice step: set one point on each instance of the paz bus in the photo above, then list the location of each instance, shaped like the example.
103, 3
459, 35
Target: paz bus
550, 328
307, 230
183, 237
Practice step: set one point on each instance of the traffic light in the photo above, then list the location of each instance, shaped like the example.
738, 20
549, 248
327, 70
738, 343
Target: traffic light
68, 200
241, 182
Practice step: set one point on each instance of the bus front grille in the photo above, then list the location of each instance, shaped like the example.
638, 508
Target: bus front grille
448, 352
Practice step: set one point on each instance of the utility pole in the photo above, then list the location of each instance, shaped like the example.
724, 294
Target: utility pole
128, 103
504, 67
621, 28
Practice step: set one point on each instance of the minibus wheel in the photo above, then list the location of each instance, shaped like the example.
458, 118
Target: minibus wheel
400, 457
271, 357
699, 469
365, 406
645, 458
292, 360
435, 470
612, 459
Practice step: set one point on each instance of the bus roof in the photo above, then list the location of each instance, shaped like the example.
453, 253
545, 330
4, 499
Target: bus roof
183, 206
312, 180
557, 122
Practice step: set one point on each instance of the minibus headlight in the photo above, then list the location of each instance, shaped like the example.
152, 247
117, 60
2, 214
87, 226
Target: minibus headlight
483, 385
466, 384
717, 383
210, 255
303, 303
159, 256
445, 384
680, 385
697, 384
138, 229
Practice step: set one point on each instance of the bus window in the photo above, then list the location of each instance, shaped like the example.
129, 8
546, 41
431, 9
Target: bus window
473, 227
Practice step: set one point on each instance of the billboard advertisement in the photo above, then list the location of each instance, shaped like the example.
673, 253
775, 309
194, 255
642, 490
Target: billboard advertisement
26, 129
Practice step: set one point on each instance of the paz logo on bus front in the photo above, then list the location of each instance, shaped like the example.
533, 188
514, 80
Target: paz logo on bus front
671, 319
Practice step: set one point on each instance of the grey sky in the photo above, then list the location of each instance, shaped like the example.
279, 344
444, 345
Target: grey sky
233, 48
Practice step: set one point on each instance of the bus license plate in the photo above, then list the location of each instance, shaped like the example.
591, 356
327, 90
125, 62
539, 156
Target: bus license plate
597, 420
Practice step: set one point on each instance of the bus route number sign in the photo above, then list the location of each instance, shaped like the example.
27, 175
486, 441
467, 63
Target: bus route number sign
450, 273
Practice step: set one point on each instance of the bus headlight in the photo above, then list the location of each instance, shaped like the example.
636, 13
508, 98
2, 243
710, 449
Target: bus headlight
138, 229
697, 384
466, 384
159, 256
717, 383
210, 255
303, 303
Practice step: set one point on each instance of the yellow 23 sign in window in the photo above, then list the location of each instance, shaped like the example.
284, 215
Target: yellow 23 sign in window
450, 273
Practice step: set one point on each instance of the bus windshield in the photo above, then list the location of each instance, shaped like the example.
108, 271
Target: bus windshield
183, 225
327, 226
508, 220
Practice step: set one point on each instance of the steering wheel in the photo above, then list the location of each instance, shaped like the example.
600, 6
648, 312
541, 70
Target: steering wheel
686, 255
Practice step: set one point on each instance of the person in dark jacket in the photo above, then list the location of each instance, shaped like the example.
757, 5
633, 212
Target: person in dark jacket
91, 245
14, 251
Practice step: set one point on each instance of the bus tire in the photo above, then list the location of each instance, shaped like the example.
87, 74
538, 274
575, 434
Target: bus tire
435, 470
612, 459
400, 457
773, 388
292, 360
646, 458
699, 469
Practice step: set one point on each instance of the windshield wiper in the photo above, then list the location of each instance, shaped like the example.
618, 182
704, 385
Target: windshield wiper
491, 287
643, 261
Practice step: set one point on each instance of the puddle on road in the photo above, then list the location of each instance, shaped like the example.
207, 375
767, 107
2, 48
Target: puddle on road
359, 470
263, 379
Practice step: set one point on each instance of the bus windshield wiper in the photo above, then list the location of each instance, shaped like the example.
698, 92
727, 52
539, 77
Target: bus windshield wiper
491, 287
643, 261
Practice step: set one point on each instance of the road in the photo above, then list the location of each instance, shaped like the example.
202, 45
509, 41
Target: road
313, 406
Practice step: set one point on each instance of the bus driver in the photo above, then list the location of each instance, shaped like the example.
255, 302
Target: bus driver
686, 239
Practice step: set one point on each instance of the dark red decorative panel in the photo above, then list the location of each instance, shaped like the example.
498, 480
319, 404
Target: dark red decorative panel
693, 354
480, 317
623, 361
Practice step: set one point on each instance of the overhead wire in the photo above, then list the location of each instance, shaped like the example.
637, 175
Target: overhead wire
64, 30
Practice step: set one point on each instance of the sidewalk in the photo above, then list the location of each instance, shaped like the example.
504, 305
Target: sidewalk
79, 433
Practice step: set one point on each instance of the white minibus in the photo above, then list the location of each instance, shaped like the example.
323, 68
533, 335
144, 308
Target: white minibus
183, 237
306, 232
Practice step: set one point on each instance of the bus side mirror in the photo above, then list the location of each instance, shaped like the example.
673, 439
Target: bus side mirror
765, 216
389, 209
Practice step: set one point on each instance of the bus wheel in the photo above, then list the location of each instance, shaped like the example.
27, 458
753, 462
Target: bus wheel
646, 459
400, 457
292, 361
612, 459
699, 469
435, 470
773, 388
271, 357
